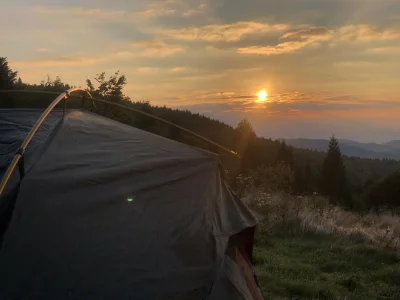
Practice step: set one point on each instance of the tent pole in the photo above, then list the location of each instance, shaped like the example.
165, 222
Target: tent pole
19, 155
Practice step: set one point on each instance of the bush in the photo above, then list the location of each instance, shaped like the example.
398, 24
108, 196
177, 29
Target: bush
268, 180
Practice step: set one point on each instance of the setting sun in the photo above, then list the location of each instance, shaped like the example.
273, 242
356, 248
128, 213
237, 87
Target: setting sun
262, 95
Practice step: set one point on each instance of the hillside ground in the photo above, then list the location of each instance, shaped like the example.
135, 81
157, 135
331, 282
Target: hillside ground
324, 267
301, 253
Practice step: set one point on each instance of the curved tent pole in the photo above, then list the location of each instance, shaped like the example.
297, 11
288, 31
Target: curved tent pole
19, 157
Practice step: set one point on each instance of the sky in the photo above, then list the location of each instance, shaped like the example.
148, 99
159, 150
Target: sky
328, 66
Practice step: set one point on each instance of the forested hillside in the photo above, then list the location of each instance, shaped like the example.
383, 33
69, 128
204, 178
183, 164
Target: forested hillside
306, 167
351, 148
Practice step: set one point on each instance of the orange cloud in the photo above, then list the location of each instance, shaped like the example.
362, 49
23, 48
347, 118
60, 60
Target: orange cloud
310, 34
177, 69
313, 35
148, 70
156, 12
356, 64
226, 33
156, 48
384, 50
296, 41
80, 12
366, 33
282, 48
58, 61
42, 50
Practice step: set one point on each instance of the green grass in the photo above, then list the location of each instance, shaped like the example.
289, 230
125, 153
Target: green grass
323, 267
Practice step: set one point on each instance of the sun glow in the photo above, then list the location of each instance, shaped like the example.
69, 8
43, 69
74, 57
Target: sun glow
262, 96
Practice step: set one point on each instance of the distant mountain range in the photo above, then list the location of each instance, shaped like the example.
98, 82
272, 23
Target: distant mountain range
390, 150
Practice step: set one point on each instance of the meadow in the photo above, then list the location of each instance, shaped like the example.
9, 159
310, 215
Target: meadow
309, 249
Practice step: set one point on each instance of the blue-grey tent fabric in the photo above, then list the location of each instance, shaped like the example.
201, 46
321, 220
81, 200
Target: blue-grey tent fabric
108, 211
14, 127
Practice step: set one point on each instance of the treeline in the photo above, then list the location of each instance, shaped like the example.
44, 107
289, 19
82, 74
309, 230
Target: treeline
348, 181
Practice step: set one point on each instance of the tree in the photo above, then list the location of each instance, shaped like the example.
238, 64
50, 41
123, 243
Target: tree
333, 182
245, 133
109, 89
285, 155
309, 179
247, 145
299, 182
269, 179
385, 193
142, 121
7, 76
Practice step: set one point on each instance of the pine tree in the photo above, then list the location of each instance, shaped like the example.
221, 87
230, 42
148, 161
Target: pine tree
333, 182
247, 145
299, 183
285, 155
7, 76
309, 179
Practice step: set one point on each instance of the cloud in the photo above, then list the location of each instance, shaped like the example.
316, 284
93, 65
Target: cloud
339, 98
223, 32
286, 47
355, 64
367, 33
59, 62
156, 48
80, 12
199, 10
384, 50
171, 8
148, 70
178, 69
310, 34
295, 41
157, 12
41, 50
152, 70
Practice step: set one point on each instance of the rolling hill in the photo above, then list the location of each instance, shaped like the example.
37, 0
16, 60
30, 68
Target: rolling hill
389, 150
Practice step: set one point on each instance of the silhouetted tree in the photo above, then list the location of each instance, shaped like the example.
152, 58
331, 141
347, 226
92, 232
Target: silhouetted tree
333, 182
7, 76
175, 133
109, 89
247, 145
285, 155
142, 121
309, 179
56, 85
385, 193
299, 182
19, 84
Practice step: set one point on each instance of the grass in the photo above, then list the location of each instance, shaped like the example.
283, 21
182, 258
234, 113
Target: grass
314, 215
307, 249
324, 267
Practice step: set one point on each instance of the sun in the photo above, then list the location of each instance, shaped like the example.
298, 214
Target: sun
262, 95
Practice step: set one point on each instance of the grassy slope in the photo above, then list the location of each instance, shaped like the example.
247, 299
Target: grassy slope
324, 267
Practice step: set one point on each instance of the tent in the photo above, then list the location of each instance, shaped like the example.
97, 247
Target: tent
108, 211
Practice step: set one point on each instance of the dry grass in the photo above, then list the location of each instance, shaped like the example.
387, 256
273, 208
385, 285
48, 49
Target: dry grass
313, 214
